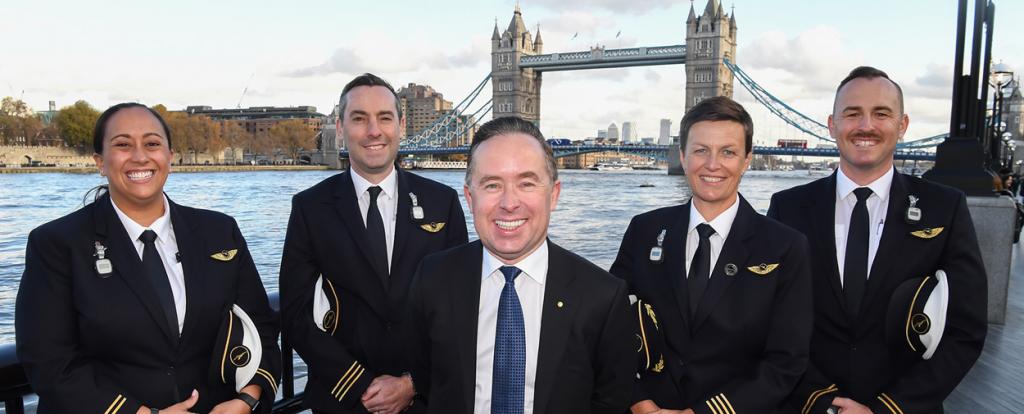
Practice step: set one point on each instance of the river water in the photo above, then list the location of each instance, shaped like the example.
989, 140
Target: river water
592, 214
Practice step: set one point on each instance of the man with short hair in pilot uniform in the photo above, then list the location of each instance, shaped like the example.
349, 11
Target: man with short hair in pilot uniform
871, 230
353, 243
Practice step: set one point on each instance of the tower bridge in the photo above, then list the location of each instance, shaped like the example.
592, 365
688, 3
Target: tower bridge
518, 61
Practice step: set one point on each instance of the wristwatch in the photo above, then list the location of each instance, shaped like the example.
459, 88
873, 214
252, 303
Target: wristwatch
246, 398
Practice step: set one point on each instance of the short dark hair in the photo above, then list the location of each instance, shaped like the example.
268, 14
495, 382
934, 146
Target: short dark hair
719, 108
512, 125
100, 129
867, 72
366, 79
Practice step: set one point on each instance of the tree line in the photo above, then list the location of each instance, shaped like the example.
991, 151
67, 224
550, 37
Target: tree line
191, 135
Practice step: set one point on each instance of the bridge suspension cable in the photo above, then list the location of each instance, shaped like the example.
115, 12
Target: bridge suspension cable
449, 127
804, 123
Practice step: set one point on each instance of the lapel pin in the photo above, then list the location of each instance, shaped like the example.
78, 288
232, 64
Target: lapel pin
177, 256
656, 251
417, 211
913, 213
731, 269
560, 304
103, 266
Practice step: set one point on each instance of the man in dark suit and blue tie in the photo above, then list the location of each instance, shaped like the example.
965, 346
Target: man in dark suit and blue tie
513, 323
356, 239
731, 288
872, 229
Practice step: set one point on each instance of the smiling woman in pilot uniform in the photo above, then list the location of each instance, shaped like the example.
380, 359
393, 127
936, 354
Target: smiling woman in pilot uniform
135, 304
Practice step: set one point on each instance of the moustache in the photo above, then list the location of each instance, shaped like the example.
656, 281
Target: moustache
865, 135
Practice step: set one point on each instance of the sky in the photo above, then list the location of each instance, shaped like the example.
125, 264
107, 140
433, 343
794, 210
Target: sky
192, 52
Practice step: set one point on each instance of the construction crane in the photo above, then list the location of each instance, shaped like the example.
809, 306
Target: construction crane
239, 106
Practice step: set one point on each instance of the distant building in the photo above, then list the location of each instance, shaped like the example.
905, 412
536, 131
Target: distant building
629, 132
602, 133
665, 136
1013, 111
259, 119
47, 117
421, 105
613, 132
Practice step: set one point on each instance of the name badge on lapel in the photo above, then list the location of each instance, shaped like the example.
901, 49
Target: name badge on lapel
656, 255
913, 213
103, 266
417, 211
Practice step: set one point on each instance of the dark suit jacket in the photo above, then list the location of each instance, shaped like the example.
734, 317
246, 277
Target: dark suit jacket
747, 346
102, 344
326, 235
585, 362
849, 357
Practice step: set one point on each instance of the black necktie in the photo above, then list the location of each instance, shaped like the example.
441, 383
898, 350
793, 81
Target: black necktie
375, 233
158, 278
700, 267
855, 270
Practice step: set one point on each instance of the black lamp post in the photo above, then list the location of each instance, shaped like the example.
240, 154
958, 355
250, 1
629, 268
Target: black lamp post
961, 161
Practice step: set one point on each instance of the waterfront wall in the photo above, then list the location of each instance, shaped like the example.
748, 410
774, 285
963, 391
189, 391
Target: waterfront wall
59, 156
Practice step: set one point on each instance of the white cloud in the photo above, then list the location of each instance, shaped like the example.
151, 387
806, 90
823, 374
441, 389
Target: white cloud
617, 6
809, 65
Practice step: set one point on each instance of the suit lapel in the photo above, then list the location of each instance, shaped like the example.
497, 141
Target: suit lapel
193, 256
674, 271
894, 230
125, 259
822, 211
556, 323
465, 302
346, 202
735, 252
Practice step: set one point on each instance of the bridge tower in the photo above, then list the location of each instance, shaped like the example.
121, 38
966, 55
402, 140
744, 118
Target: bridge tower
516, 90
710, 39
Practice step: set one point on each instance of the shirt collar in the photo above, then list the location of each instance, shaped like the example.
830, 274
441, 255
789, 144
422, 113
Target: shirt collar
722, 224
880, 187
388, 186
534, 266
161, 226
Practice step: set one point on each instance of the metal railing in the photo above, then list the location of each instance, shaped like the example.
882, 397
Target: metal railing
14, 384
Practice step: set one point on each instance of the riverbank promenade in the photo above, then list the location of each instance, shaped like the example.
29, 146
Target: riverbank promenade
996, 381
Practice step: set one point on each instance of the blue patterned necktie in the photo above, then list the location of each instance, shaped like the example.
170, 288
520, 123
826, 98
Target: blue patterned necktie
509, 381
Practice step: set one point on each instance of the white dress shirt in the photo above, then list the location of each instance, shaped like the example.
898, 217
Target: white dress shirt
166, 246
722, 224
387, 203
530, 289
878, 207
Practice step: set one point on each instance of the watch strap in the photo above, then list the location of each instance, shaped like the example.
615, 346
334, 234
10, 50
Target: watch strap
249, 400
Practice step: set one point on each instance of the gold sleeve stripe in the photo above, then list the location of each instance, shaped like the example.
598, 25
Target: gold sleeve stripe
343, 377
337, 307
270, 378
116, 405
814, 397
725, 402
350, 383
712, 407
890, 403
231, 321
